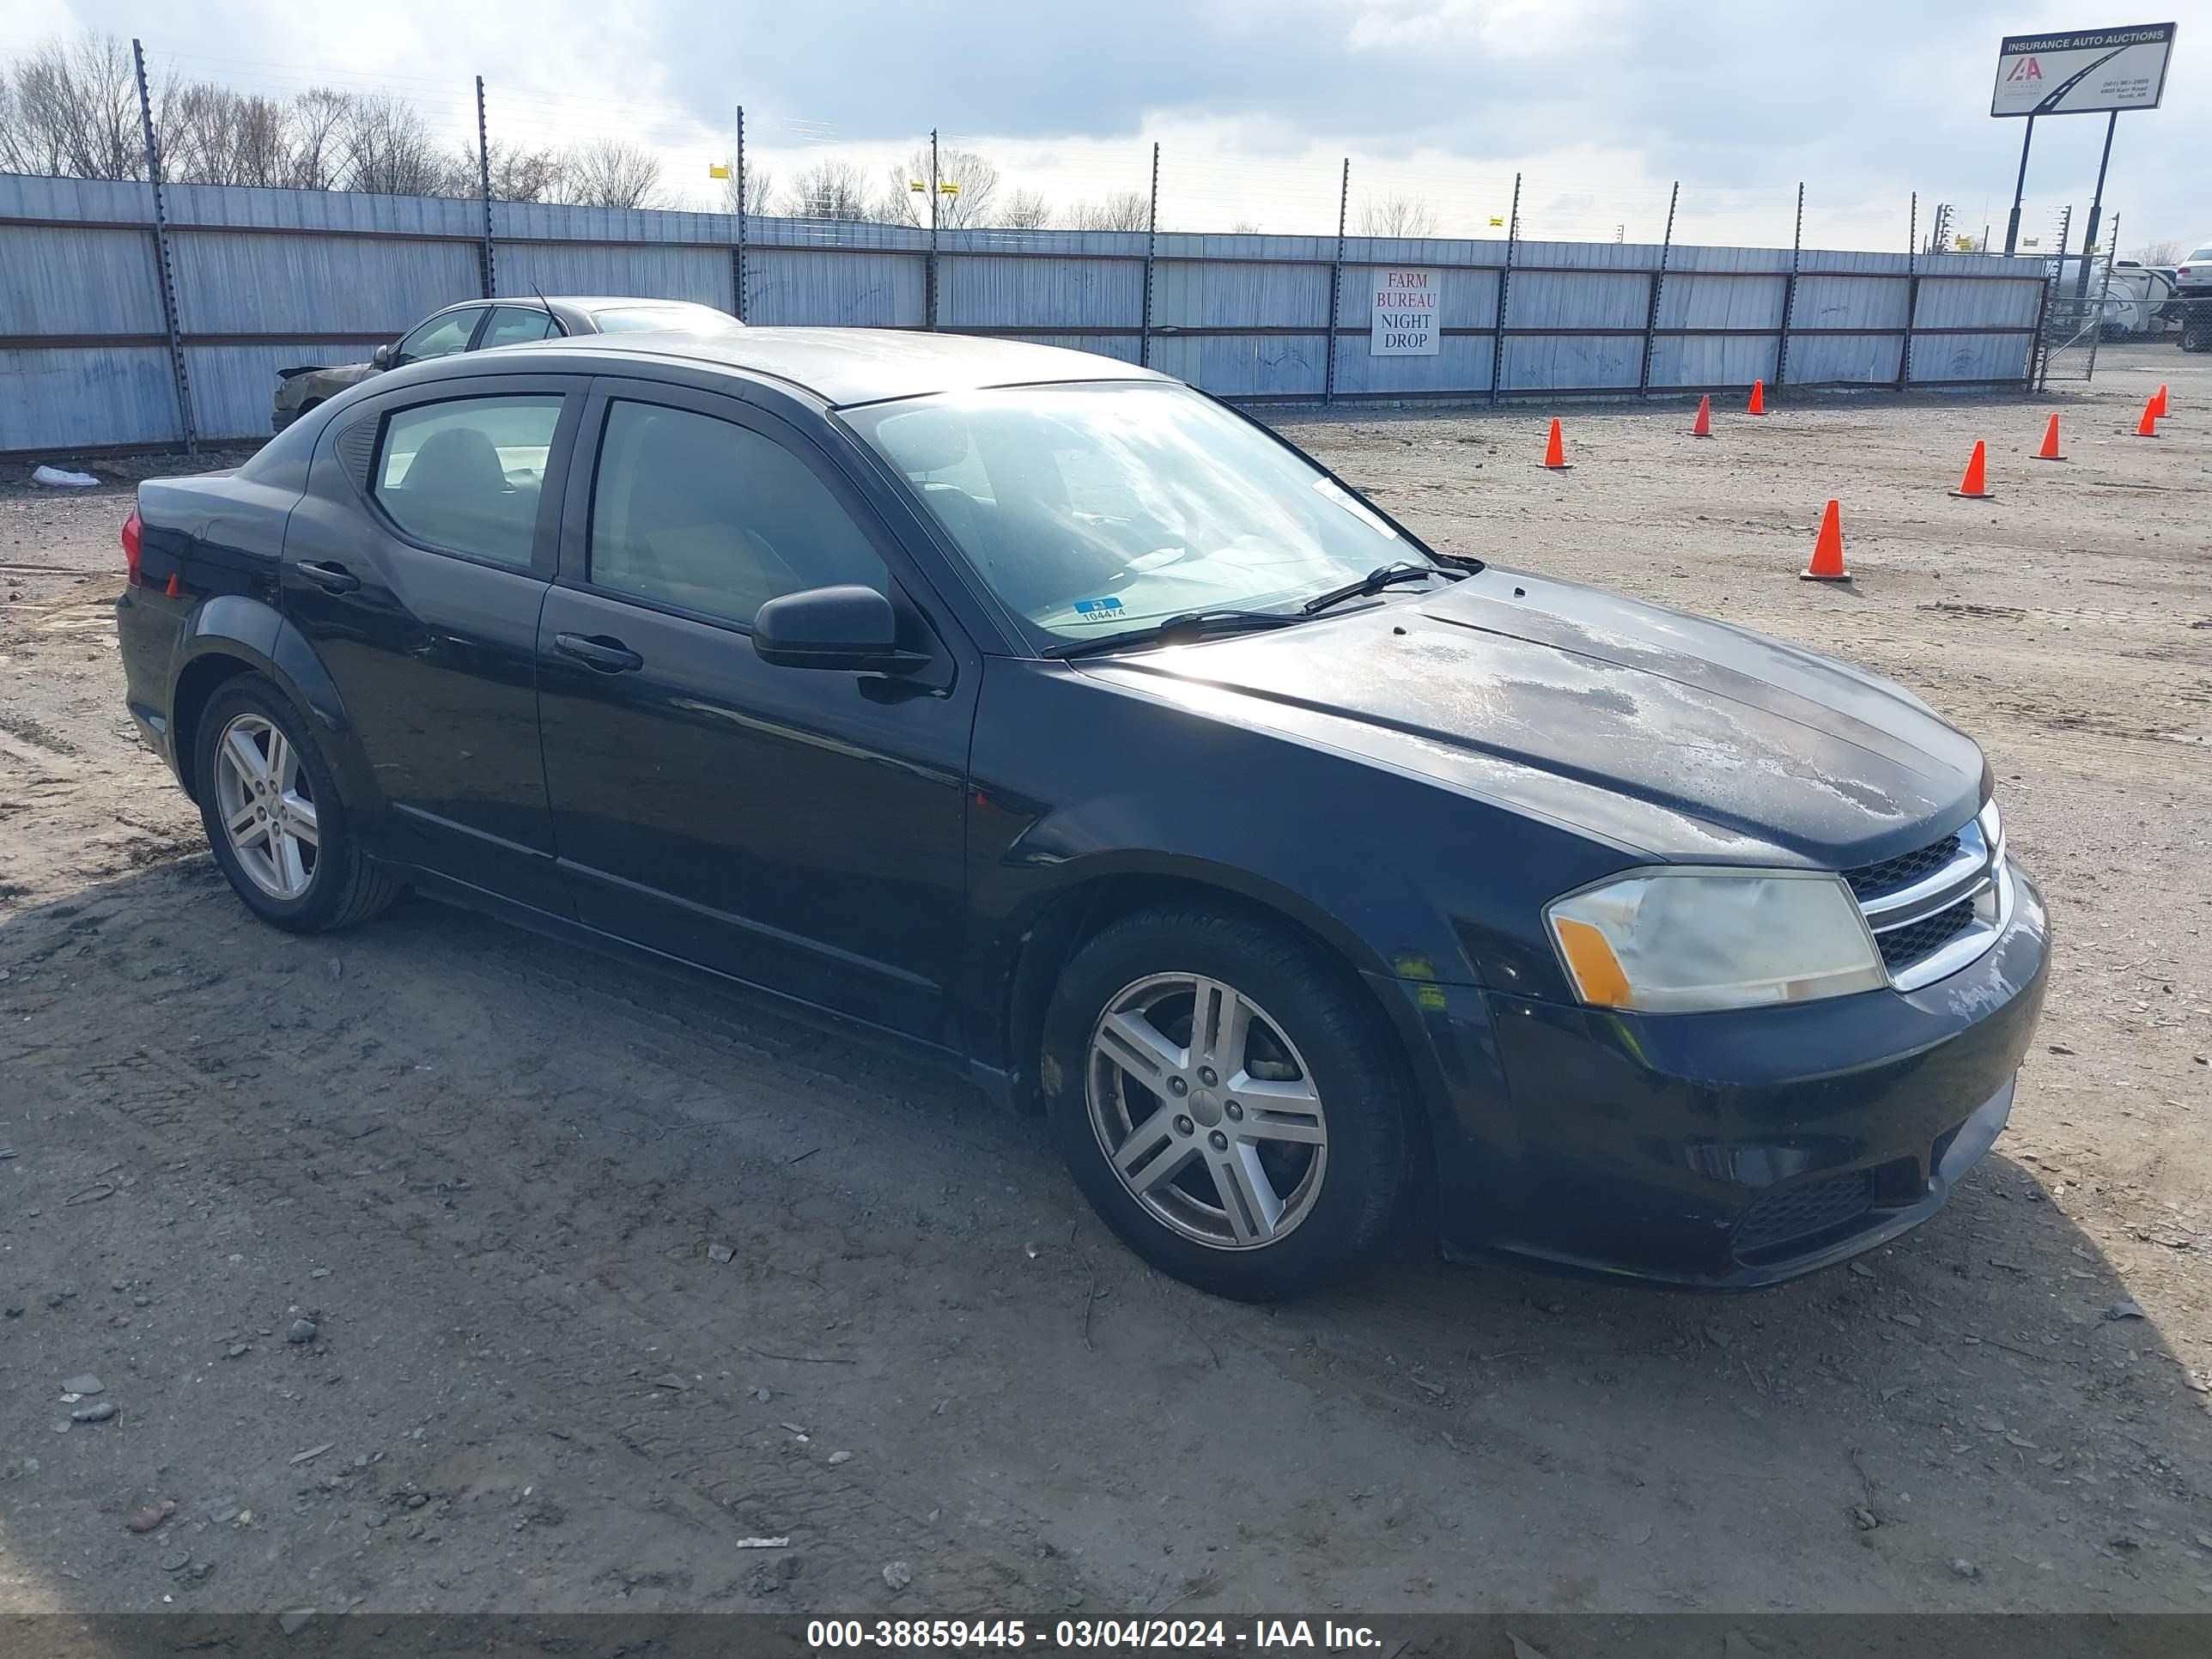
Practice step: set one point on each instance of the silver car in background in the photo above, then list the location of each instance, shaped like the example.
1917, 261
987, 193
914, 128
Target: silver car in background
479, 325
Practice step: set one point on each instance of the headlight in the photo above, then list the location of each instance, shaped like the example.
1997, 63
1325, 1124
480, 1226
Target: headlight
1687, 941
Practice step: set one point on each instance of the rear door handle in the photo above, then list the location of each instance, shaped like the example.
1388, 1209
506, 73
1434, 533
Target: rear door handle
330, 578
609, 656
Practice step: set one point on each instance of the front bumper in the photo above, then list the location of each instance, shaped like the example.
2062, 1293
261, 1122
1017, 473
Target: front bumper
1733, 1150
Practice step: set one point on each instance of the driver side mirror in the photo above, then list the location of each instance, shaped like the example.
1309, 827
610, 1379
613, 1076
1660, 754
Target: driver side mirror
382, 357
850, 628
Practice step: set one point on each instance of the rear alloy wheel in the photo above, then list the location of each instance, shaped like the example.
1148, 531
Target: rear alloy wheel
274, 816
267, 805
1228, 1099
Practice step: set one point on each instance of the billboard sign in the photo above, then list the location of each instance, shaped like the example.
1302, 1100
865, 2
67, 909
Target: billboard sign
2090, 70
1405, 313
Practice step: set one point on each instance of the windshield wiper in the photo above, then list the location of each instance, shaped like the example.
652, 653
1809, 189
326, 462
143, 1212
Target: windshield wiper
1389, 575
1190, 625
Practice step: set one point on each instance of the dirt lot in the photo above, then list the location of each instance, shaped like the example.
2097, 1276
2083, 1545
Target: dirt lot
498, 1178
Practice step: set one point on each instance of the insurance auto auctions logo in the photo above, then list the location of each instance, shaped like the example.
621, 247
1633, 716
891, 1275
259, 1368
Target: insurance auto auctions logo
2026, 69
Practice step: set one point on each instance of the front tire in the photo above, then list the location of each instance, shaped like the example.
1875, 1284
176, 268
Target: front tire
1228, 1100
274, 817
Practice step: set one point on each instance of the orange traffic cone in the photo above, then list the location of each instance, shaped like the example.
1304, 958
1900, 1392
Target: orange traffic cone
1704, 426
2049, 450
1555, 452
1758, 405
2148, 427
2160, 400
1827, 564
1975, 486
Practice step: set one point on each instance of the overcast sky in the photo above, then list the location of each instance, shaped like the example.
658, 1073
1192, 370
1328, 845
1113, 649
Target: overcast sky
1601, 103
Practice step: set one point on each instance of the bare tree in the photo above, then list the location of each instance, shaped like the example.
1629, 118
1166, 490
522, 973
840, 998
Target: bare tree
829, 190
1025, 209
609, 172
519, 174
760, 193
1245, 227
1398, 215
211, 135
387, 149
71, 109
320, 116
975, 179
1125, 209
2164, 252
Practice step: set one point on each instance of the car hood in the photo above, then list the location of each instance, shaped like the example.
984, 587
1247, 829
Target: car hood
1673, 736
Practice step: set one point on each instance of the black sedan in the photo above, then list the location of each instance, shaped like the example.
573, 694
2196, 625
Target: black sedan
1044, 715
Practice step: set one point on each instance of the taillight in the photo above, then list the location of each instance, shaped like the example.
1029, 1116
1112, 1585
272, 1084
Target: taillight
133, 531
2183, 271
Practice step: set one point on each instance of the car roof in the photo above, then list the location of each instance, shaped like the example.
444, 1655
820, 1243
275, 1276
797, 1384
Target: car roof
843, 366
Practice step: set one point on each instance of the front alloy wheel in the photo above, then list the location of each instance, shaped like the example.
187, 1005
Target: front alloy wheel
1229, 1097
1207, 1112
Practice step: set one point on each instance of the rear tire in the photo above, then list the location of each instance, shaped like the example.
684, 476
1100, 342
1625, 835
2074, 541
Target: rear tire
1248, 1086
274, 817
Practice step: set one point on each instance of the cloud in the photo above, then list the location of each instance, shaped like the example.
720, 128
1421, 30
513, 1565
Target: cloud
1610, 100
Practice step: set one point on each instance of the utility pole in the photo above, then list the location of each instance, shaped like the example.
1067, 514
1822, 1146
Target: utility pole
930, 299
166, 266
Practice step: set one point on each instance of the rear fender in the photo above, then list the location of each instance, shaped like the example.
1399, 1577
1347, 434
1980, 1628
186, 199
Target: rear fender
249, 631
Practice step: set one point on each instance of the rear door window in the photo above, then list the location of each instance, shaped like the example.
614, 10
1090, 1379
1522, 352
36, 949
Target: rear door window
517, 326
465, 475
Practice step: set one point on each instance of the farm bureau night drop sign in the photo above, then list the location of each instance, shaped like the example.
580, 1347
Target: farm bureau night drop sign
1405, 323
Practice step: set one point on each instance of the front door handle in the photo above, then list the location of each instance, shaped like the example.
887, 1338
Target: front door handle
609, 656
330, 578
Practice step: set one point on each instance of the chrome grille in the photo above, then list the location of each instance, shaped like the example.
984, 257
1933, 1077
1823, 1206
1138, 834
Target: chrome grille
1902, 946
1871, 880
1937, 909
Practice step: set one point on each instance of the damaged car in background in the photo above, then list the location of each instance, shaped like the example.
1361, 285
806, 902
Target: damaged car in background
479, 325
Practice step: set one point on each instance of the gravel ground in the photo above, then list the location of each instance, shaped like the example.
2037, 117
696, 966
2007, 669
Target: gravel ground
433, 1267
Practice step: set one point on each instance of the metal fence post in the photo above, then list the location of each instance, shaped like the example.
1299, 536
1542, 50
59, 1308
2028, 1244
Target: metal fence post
1912, 294
1658, 286
483, 179
1336, 285
929, 278
1790, 290
737, 270
2104, 293
2039, 345
1505, 286
165, 268
1151, 250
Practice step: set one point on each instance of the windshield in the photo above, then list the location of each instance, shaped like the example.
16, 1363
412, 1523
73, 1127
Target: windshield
2204, 252
636, 320
1094, 509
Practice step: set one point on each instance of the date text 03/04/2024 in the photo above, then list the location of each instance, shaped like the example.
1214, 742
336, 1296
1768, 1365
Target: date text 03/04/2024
1253, 1636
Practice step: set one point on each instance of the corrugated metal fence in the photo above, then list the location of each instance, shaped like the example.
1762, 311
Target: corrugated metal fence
270, 278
